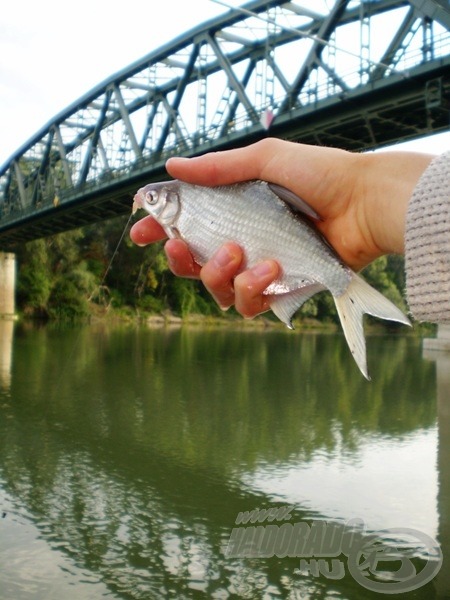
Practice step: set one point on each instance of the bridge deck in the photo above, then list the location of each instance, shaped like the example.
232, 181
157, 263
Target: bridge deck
227, 83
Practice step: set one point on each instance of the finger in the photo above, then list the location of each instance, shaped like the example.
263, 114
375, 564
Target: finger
181, 262
219, 168
218, 274
146, 231
316, 174
250, 285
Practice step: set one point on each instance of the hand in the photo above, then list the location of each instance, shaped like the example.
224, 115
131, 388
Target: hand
362, 200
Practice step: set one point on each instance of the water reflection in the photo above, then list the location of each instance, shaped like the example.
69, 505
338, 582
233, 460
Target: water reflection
133, 451
442, 360
6, 344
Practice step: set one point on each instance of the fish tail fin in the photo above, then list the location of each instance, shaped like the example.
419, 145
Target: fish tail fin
360, 298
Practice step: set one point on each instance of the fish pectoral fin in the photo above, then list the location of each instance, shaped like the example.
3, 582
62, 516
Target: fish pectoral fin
294, 201
285, 305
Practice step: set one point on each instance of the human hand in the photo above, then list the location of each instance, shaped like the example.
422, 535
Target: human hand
361, 198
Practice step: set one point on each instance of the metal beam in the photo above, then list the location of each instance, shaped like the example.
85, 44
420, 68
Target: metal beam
20, 184
394, 46
63, 155
95, 138
172, 110
232, 108
323, 35
434, 10
78, 154
127, 122
234, 82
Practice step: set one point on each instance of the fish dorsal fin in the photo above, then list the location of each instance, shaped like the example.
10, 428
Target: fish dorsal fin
294, 201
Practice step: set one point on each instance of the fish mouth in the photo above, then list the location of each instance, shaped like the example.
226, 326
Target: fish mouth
138, 202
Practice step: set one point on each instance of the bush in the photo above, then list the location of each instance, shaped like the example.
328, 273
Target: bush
66, 302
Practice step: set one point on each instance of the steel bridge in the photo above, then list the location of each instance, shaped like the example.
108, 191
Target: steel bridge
356, 74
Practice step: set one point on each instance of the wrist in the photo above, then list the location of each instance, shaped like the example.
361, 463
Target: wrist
390, 180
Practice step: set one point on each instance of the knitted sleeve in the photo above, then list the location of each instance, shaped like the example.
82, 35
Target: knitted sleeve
427, 244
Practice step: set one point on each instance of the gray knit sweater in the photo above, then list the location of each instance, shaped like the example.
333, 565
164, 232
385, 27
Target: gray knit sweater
427, 244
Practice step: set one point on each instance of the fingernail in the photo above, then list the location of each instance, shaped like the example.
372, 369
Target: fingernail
222, 257
178, 159
263, 269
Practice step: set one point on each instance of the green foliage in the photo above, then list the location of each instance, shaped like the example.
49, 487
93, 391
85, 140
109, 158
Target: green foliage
65, 301
34, 282
150, 304
187, 298
70, 293
65, 275
386, 279
53, 280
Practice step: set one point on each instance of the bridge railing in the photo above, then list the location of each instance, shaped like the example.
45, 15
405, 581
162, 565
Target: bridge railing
223, 80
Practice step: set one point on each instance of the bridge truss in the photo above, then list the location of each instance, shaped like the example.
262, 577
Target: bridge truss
356, 74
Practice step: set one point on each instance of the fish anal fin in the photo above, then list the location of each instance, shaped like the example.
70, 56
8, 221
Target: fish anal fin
285, 305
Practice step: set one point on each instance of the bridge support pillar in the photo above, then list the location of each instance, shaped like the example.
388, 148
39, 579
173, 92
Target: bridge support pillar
441, 342
7, 285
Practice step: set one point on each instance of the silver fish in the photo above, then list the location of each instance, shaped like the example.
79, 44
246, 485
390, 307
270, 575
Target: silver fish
269, 222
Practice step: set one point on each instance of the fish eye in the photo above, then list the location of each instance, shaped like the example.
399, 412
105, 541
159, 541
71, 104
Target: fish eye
151, 197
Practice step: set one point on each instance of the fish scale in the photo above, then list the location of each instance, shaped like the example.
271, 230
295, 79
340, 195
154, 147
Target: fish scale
269, 222
252, 211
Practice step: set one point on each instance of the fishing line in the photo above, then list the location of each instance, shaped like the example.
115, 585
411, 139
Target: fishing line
108, 268
68, 361
115, 251
304, 34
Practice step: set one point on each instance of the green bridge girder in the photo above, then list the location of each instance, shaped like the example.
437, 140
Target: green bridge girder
360, 75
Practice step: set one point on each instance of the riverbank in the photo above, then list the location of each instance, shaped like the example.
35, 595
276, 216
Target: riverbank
267, 320
228, 320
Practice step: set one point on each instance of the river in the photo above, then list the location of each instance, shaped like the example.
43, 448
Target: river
129, 457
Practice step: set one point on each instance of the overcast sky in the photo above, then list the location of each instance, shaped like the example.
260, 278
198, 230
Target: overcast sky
52, 52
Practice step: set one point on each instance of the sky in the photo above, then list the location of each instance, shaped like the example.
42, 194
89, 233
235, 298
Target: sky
52, 53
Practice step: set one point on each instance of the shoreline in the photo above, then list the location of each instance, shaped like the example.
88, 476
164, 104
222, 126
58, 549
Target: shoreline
227, 322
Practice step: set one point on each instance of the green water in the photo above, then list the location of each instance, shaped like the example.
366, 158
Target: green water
126, 455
